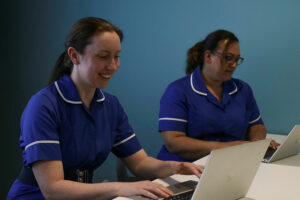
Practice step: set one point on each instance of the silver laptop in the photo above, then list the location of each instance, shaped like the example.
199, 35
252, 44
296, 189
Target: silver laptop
227, 175
291, 146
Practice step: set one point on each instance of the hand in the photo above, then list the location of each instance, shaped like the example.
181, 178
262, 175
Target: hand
186, 168
274, 144
146, 188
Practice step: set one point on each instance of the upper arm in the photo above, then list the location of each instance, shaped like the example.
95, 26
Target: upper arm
173, 115
170, 138
252, 109
257, 132
39, 134
125, 140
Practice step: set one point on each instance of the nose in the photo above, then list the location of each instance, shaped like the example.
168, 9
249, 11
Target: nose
113, 64
234, 64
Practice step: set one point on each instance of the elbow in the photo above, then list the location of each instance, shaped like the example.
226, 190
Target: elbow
50, 193
172, 148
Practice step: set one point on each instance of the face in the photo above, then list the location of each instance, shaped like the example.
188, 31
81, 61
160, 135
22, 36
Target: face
99, 61
223, 62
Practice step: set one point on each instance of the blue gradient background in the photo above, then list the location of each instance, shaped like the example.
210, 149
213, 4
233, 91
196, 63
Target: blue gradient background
157, 37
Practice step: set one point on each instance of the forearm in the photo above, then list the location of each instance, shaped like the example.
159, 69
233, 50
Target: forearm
65, 189
190, 148
150, 168
50, 178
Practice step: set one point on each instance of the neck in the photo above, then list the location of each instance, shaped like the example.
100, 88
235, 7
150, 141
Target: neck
85, 91
210, 82
214, 86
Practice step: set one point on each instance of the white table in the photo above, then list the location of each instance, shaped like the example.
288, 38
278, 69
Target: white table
279, 180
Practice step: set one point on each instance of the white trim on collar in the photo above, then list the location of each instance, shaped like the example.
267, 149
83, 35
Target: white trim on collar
205, 94
235, 90
103, 98
191, 80
62, 96
75, 102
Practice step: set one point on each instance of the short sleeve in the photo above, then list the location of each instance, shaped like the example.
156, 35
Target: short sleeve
252, 109
39, 137
126, 142
173, 109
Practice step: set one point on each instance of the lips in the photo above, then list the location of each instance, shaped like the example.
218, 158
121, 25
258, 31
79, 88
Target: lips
106, 76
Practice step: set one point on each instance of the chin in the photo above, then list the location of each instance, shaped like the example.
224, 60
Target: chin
102, 85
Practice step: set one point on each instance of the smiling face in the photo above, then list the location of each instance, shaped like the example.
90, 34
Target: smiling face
99, 61
217, 65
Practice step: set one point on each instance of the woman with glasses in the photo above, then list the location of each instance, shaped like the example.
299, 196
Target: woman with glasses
208, 109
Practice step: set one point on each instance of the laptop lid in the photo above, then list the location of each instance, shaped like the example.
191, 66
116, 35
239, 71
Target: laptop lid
227, 175
229, 172
291, 146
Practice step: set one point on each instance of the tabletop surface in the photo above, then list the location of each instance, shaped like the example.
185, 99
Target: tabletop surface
279, 180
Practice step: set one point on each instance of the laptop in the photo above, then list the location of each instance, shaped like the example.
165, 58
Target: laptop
227, 175
291, 146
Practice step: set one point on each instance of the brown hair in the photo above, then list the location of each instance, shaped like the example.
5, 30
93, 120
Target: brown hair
79, 37
195, 55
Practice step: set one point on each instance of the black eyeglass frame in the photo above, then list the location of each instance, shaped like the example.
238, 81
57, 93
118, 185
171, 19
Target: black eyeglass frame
231, 58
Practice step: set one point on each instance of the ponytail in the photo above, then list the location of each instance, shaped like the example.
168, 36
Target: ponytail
194, 58
62, 66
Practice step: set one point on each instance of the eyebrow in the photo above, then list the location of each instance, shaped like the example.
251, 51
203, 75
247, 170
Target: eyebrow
107, 51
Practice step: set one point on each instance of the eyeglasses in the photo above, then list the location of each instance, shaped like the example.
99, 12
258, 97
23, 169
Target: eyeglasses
231, 58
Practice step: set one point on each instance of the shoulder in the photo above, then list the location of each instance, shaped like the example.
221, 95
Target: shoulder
112, 103
110, 98
46, 96
243, 87
42, 105
180, 85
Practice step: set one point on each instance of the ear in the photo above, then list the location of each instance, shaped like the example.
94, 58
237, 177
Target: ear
207, 56
74, 55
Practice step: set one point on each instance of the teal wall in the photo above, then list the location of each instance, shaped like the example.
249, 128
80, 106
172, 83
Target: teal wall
157, 36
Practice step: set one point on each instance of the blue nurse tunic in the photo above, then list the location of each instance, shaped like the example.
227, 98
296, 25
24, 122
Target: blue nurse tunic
56, 125
187, 106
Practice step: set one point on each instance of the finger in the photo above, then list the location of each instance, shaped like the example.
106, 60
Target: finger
197, 172
165, 192
159, 190
147, 193
200, 167
190, 168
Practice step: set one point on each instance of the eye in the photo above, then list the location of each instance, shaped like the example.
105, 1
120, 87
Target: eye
229, 58
102, 56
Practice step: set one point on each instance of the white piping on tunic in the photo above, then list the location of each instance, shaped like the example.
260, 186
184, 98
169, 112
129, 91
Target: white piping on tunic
42, 142
204, 94
174, 119
103, 98
125, 140
235, 90
62, 96
75, 102
255, 120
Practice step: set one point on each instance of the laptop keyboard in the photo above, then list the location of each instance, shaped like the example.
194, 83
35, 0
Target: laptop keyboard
269, 153
183, 196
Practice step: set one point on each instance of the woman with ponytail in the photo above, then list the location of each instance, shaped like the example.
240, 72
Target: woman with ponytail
208, 109
69, 128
